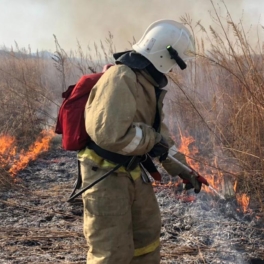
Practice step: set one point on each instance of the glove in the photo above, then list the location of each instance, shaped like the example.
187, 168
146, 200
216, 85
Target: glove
193, 180
161, 150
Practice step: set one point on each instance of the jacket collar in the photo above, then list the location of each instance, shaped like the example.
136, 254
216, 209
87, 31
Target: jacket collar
149, 78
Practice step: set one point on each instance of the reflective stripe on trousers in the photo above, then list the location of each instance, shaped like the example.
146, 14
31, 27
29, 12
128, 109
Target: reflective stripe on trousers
147, 249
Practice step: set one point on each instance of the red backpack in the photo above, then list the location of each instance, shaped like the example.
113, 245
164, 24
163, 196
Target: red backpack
70, 121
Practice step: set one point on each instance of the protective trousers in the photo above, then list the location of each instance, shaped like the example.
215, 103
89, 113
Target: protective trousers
121, 219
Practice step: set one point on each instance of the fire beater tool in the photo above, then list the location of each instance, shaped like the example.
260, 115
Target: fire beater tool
188, 169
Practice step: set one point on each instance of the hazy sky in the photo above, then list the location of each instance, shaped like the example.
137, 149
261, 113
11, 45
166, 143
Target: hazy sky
33, 22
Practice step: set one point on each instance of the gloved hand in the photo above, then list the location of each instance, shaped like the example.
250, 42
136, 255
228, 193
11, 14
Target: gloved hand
193, 180
161, 150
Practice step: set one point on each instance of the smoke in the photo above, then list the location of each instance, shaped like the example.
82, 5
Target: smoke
89, 21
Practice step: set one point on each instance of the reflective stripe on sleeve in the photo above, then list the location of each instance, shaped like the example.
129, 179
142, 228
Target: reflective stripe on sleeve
147, 249
134, 142
173, 150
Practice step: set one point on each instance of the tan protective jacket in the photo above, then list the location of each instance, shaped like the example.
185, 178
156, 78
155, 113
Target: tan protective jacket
120, 112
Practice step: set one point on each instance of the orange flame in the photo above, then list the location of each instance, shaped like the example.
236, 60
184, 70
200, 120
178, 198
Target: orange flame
235, 186
8, 152
214, 177
243, 201
41, 145
184, 148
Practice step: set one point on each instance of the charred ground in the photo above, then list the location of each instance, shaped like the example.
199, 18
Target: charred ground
39, 226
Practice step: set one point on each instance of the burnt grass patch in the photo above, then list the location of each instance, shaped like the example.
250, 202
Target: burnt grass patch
38, 225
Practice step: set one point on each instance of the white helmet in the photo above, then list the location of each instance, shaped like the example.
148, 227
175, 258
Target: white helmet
160, 36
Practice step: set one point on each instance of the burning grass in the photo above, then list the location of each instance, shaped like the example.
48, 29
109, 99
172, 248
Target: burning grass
219, 106
12, 160
39, 146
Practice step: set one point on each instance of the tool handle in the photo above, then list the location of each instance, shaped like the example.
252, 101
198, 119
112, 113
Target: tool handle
186, 168
189, 170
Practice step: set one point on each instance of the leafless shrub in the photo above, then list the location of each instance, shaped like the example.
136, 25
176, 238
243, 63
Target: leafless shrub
25, 94
75, 63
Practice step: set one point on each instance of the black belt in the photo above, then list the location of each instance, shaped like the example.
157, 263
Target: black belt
108, 155
131, 162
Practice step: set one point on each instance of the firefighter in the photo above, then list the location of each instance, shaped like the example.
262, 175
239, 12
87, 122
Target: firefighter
123, 117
